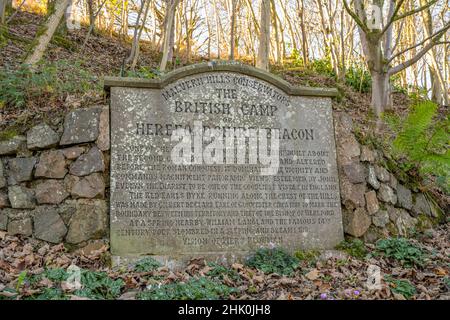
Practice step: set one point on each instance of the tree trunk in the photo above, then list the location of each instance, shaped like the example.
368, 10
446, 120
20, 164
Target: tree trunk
233, 29
141, 28
381, 92
170, 13
264, 36
44, 39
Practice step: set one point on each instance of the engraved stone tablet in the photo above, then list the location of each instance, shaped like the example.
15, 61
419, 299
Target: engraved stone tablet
213, 203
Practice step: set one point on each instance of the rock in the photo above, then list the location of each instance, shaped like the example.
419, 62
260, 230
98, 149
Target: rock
3, 220
4, 202
405, 223
393, 213
373, 234
81, 126
91, 248
381, 218
89, 221
88, 163
41, 137
355, 172
372, 202
73, 152
21, 197
52, 164
48, 225
2, 175
51, 192
346, 123
20, 169
367, 155
66, 210
22, 227
348, 148
356, 222
372, 178
386, 194
352, 195
328, 254
382, 174
91, 186
404, 197
421, 205
393, 182
103, 136
12, 146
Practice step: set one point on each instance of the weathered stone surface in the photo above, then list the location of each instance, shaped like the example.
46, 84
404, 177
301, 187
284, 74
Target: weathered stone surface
356, 222
80, 126
103, 142
386, 194
405, 223
382, 174
367, 155
3, 220
20, 169
421, 205
66, 210
372, 178
352, 194
372, 202
48, 225
404, 197
73, 152
2, 175
89, 221
132, 132
52, 164
381, 218
88, 163
91, 186
12, 146
355, 172
393, 182
22, 227
41, 137
374, 233
348, 148
4, 202
21, 197
51, 192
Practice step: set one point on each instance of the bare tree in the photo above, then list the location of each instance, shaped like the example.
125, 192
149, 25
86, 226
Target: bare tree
169, 25
262, 60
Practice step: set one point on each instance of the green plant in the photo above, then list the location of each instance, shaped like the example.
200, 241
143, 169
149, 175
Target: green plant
403, 250
21, 279
146, 265
98, 285
274, 260
423, 140
143, 72
193, 289
354, 247
403, 287
309, 256
219, 271
359, 79
323, 66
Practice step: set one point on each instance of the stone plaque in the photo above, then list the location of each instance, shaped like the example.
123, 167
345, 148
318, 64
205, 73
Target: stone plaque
224, 197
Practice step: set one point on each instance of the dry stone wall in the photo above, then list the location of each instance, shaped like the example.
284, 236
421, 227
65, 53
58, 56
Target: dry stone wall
54, 184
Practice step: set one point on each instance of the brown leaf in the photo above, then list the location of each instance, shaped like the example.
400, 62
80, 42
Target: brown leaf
312, 275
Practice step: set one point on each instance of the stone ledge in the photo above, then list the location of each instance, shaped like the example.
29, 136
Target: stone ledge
177, 74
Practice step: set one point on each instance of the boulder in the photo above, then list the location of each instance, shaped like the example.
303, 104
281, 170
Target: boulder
355, 172
393, 182
52, 164
347, 149
103, 136
3, 220
51, 192
91, 186
382, 174
386, 194
88, 163
73, 152
21, 197
367, 155
22, 227
372, 178
12, 146
352, 195
2, 175
372, 202
421, 205
381, 218
81, 126
356, 222
4, 202
41, 137
89, 221
405, 223
48, 225
20, 170
404, 197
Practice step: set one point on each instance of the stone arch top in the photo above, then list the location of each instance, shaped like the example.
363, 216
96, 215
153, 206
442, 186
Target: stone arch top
218, 66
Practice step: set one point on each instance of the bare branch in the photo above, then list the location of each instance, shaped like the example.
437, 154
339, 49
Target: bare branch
392, 17
409, 13
355, 17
